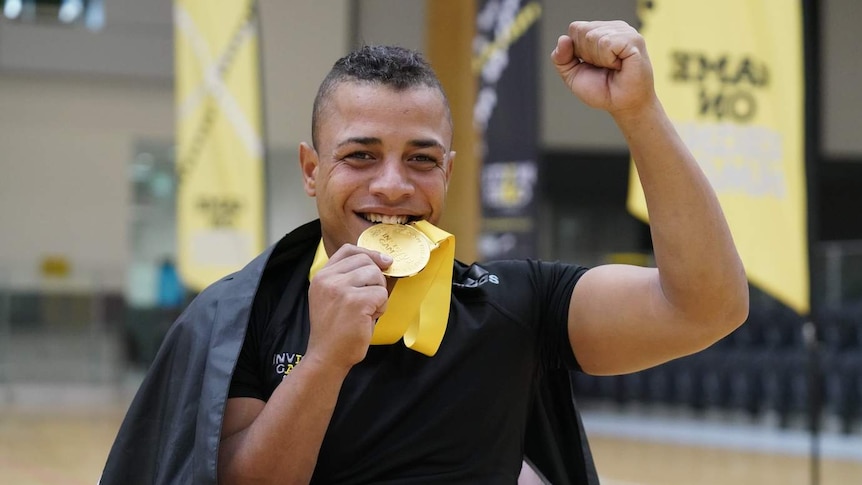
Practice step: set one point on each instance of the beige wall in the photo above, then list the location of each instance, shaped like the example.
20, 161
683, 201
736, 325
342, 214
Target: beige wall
566, 123
67, 135
841, 80
65, 144
374, 23
302, 38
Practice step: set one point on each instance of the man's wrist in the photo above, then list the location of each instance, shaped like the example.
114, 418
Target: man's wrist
323, 367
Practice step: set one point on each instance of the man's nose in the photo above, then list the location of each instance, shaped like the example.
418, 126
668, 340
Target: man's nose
392, 180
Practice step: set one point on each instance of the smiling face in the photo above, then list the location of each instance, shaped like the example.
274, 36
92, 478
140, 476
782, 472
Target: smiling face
382, 155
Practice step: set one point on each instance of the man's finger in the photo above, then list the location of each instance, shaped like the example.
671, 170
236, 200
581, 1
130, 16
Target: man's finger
349, 252
564, 53
376, 299
366, 276
604, 44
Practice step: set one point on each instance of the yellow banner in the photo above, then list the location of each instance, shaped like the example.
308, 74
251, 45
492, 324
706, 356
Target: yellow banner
730, 75
220, 195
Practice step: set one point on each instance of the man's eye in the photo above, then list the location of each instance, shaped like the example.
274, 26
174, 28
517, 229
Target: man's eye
428, 161
359, 156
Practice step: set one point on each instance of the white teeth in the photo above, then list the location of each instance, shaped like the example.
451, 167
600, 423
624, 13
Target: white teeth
387, 219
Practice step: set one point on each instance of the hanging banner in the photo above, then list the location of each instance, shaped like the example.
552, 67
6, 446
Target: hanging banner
730, 75
506, 117
220, 194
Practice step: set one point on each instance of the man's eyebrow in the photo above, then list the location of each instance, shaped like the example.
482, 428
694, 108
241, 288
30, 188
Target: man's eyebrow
371, 140
361, 140
426, 143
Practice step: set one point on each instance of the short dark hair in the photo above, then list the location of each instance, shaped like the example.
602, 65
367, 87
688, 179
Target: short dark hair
394, 67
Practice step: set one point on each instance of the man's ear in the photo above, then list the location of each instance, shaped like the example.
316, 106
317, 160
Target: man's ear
449, 167
308, 162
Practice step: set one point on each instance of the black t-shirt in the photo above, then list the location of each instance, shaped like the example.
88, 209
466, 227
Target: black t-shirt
403, 417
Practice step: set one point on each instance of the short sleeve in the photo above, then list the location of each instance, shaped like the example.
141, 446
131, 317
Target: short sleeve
555, 283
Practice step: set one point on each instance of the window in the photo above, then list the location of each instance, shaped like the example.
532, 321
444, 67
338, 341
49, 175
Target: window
86, 13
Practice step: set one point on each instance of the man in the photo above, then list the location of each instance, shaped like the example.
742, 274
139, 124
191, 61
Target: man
310, 400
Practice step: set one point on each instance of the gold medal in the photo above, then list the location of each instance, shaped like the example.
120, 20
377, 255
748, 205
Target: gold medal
408, 247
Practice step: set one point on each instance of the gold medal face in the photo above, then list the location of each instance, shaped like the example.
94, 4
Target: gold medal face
409, 248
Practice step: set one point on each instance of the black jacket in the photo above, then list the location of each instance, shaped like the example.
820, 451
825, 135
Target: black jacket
170, 434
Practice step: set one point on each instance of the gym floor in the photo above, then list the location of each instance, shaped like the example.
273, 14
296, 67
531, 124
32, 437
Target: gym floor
42, 445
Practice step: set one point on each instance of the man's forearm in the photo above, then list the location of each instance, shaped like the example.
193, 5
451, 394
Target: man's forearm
282, 444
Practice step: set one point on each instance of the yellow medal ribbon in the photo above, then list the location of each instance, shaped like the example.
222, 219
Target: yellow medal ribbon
418, 307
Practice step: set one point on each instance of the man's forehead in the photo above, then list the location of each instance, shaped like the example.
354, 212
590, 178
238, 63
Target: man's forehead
357, 100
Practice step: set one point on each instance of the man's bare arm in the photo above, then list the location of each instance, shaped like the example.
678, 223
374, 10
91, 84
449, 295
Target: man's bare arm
278, 441
625, 318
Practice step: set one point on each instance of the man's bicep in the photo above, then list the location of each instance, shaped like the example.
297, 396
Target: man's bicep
239, 413
619, 321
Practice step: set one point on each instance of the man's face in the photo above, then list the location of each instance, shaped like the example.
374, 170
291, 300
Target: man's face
383, 156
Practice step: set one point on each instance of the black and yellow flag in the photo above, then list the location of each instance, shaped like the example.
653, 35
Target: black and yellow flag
220, 196
507, 103
730, 74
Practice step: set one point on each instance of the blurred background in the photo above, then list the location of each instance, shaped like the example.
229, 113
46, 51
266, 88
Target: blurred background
88, 283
